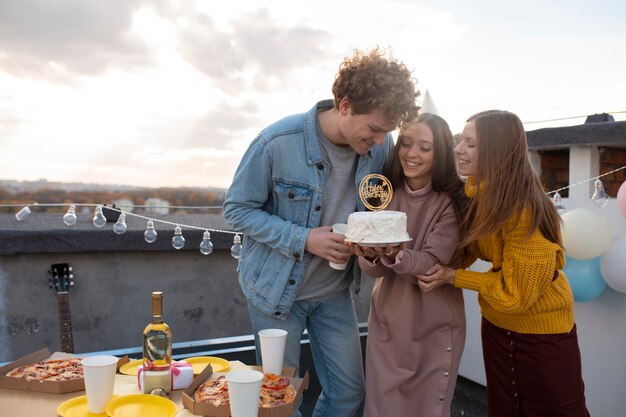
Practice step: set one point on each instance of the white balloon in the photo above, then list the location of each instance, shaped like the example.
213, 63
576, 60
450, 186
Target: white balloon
613, 265
586, 234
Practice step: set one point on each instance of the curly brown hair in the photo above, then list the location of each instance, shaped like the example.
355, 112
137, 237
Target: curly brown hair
371, 82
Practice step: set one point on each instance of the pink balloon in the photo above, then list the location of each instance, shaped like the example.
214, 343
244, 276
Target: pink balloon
621, 198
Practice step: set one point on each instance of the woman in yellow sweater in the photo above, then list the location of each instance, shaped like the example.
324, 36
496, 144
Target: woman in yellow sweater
530, 346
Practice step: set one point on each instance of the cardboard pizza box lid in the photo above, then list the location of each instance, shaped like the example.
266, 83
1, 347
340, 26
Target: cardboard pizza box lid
204, 409
122, 361
53, 387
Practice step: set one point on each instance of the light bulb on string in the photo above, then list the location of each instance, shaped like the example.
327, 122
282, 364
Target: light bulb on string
235, 250
560, 208
22, 214
599, 197
178, 241
98, 217
120, 226
206, 247
70, 217
150, 235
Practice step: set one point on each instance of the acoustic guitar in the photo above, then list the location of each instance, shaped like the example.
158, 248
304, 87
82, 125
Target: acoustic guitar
61, 280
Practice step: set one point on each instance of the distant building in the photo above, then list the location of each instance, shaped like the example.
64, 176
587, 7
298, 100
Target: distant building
124, 204
569, 154
157, 206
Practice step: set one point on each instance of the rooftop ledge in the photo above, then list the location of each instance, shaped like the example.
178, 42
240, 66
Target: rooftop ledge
607, 134
46, 233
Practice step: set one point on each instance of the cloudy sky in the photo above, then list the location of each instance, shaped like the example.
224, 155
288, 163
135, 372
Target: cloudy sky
170, 93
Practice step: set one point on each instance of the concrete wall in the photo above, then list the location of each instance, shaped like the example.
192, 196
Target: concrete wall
110, 301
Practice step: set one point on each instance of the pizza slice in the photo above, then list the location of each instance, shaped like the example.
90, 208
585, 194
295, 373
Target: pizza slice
213, 391
276, 390
275, 397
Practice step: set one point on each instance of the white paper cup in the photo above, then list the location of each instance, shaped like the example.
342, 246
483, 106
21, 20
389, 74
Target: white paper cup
99, 373
244, 389
272, 343
339, 228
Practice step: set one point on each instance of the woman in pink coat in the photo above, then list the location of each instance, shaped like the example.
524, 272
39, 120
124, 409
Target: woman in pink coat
415, 339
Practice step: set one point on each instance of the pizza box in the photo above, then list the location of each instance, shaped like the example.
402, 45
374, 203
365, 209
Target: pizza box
54, 387
205, 409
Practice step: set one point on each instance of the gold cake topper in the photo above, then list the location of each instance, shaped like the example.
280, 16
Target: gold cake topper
378, 188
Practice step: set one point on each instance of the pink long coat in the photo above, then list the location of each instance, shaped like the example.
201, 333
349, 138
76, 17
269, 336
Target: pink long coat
415, 339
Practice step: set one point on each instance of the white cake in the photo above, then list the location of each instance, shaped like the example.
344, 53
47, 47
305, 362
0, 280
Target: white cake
377, 227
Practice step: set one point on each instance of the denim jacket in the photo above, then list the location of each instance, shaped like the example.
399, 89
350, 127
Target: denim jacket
275, 199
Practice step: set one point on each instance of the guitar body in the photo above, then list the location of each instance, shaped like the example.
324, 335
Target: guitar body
61, 280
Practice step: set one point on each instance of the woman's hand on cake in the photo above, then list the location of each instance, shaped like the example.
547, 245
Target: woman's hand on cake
390, 252
363, 251
373, 252
436, 276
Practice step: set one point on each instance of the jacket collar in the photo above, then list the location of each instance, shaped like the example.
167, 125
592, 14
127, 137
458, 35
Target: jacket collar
311, 141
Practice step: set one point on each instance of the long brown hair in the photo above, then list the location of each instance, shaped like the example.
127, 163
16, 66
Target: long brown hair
505, 182
444, 175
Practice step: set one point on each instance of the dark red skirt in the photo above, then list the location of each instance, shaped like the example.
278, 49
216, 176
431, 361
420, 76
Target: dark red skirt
532, 375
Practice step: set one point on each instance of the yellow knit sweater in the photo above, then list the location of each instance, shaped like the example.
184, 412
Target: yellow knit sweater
518, 293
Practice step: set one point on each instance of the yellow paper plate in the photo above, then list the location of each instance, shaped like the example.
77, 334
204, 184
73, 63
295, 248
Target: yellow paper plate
77, 407
140, 405
130, 368
198, 364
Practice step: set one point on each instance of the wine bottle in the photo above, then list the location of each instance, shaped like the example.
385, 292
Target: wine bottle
157, 349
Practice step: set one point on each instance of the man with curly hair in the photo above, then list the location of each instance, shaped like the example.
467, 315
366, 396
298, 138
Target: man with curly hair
298, 177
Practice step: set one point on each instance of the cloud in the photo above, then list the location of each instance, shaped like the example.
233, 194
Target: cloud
55, 40
171, 92
256, 52
221, 126
8, 123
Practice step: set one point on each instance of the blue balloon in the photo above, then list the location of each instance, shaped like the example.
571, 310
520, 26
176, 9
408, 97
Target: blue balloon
584, 277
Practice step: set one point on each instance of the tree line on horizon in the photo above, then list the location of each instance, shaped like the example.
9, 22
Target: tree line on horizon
173, 196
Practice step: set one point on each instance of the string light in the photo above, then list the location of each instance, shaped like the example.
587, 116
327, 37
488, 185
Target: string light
150, 235
206, 247
599, 197
235, 250
98, 217
586, 181
560, 208
568, 118
120, 226
70, 217
178, 241
22, 214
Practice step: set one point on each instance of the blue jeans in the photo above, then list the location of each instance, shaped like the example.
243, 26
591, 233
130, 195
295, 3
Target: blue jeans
335, 345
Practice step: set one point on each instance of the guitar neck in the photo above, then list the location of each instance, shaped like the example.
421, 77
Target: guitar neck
65, 323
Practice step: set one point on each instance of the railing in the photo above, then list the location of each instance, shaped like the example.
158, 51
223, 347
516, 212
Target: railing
230, 346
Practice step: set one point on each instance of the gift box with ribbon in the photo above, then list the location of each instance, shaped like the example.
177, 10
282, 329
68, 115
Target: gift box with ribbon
182, 375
